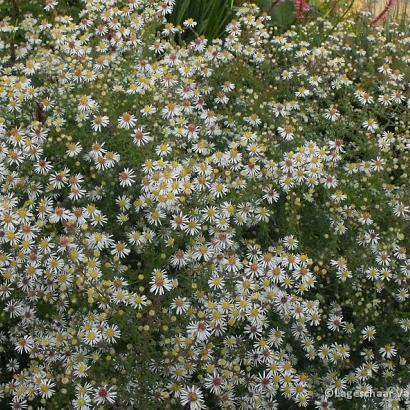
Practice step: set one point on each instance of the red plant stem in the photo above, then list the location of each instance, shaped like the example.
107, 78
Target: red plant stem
382, 17
301, 8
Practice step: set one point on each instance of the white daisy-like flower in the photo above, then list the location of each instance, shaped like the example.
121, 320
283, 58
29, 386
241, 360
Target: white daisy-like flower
127, 121
24, 344
370, 125
104, 395
99, 122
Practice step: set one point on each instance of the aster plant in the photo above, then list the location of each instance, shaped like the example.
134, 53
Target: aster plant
199, 224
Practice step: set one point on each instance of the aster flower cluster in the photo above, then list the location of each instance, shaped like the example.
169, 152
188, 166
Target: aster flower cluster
202, 224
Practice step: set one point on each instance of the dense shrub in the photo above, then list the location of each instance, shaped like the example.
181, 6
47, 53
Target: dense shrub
206, 224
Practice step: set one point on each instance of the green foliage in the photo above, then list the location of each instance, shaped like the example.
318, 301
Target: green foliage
211, 15
282, 12
249, 240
